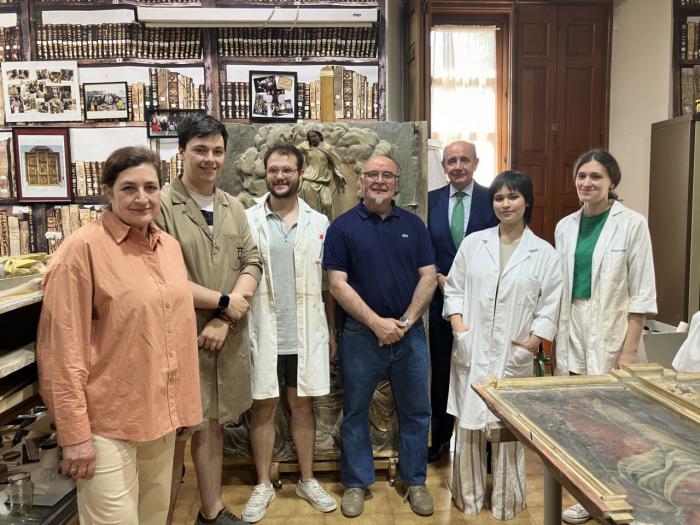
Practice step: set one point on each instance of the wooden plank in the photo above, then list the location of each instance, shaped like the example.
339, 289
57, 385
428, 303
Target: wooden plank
16, 359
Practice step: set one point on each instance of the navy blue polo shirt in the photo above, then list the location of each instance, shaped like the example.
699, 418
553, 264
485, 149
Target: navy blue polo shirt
381, 257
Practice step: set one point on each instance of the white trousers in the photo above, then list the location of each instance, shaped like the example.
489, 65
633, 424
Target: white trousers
469, 475
131, 485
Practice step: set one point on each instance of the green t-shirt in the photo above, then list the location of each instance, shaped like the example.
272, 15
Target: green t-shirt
588, 234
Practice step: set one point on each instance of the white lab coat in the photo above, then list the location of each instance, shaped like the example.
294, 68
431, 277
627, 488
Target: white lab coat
524, 300
313, 374
688, 357
622, 283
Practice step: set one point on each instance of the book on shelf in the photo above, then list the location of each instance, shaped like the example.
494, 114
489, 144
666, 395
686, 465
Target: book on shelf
62, 220
8, 182
17, 233
121, 40
10, 44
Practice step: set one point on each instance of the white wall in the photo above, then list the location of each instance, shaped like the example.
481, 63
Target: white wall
640, 91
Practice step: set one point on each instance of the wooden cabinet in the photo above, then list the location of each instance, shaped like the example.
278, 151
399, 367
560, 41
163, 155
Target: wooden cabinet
561, 107
19, 316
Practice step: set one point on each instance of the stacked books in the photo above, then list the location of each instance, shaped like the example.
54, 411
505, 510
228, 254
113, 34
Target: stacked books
127, 40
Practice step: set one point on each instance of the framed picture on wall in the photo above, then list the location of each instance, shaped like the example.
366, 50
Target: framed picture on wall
106, 101
43, 164
41, 91
273, 96
163, 123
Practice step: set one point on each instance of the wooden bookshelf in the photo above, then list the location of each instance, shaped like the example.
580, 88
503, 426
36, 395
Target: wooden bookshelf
297, 61
150, 62
684, 71
32, 22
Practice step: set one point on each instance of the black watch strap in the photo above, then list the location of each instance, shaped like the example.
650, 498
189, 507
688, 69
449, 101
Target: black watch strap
224, 301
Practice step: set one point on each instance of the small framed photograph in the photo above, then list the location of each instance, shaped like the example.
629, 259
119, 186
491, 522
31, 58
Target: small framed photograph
163, 123
273, 96
106, 101
43, 164
41, 91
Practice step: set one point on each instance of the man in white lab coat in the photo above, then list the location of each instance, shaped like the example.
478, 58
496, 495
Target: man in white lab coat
289, 332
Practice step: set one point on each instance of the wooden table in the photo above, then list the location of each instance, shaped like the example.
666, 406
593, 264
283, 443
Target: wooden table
625, 445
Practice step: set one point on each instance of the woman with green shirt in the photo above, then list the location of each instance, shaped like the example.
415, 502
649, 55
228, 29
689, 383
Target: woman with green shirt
609, 285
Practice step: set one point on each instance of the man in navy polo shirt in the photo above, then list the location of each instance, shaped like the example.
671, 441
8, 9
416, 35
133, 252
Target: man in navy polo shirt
381, 269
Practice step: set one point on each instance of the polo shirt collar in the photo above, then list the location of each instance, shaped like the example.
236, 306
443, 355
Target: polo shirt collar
468, 190
365, 213
119, 230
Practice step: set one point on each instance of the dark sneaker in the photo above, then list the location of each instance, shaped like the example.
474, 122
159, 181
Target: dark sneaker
419, 499
224, 517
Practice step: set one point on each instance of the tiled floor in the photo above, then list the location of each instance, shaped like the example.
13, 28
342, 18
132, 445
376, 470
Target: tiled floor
386, 507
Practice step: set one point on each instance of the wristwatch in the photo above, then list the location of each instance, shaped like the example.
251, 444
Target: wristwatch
405, 321
223, 304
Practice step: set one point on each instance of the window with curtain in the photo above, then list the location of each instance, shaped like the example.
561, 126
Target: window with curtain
464, 91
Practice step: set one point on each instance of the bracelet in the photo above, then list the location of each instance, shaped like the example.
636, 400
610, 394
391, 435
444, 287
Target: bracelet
230, 322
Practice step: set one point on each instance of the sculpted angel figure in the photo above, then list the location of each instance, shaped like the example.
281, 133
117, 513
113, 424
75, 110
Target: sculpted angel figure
323, 174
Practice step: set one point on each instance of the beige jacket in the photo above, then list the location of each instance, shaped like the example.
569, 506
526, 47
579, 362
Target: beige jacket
215, 260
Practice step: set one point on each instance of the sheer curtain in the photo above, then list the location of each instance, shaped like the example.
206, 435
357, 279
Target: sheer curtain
463, 91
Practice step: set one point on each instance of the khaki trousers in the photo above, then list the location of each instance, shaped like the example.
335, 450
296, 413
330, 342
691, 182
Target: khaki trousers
469, 475
131, 485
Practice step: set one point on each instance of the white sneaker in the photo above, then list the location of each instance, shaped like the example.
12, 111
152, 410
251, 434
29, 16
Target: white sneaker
257, 505
312, 491
575, 514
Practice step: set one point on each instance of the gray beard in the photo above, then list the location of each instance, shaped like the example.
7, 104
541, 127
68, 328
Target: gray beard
379, 201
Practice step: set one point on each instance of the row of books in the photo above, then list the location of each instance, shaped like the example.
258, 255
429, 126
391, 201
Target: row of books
63, 220
17, 235
690, 40
10, 44
355, 42
172, 90
128, 40
8, 186
358, 100
86, 175
684, 3
690, 89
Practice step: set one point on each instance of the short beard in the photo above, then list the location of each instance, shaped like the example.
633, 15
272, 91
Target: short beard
379, 200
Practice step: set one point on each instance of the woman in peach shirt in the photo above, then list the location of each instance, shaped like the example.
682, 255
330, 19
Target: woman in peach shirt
117, 349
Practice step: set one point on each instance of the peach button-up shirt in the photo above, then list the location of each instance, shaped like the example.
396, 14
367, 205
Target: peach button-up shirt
117, 339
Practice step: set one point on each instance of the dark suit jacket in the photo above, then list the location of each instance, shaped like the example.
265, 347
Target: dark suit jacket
481, 216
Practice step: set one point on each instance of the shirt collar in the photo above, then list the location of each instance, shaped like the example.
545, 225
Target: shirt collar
119, 230
468, 190
365, 213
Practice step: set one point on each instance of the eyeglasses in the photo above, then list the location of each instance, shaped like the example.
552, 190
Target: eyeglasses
386, 176
286, 171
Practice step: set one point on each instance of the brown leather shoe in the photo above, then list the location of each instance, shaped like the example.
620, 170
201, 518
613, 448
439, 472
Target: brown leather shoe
420, 500
353, 502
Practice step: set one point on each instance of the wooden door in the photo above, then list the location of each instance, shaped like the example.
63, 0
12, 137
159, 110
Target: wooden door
561, 109
535, 102
417, 73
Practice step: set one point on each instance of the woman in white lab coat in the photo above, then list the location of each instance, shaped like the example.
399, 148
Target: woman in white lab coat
609, 286
502, 298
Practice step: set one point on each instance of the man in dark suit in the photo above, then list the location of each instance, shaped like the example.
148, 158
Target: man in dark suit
454, 211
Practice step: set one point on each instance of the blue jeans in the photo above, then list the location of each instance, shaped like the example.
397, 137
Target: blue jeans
362, 364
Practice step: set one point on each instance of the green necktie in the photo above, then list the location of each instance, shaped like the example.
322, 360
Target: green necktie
457, 222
